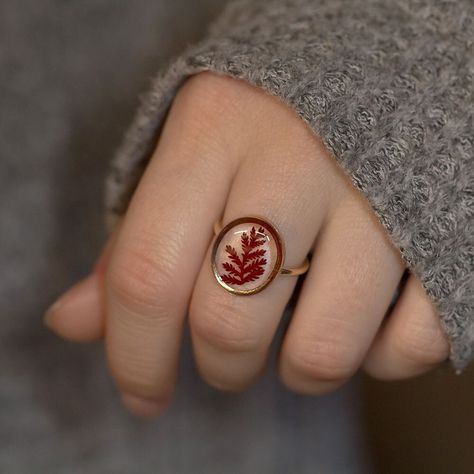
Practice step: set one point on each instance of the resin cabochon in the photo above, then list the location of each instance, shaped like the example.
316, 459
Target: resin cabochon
265, 266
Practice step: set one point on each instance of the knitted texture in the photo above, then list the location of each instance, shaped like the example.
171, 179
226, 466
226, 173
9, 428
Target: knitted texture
388, 86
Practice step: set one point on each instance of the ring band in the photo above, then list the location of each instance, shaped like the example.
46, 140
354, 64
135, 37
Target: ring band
248, 254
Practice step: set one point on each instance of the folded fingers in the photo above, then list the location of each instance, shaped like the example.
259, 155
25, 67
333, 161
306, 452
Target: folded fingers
159, 265
353, 275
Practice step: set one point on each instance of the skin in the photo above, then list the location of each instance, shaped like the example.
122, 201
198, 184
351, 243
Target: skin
230, 150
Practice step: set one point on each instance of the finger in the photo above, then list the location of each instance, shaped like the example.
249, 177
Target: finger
232, 334
353, 275
78, 315
412, 341
160, 250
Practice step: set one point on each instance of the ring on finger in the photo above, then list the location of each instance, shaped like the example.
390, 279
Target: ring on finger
248, 254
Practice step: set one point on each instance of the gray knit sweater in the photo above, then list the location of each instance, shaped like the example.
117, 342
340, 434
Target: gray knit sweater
388, 86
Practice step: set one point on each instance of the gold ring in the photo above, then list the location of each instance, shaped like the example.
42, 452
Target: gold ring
247, 255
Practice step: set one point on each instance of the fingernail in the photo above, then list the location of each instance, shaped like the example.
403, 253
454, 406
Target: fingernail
143, 407
81, 299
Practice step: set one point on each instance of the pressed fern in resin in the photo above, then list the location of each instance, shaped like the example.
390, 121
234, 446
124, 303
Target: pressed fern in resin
250, 264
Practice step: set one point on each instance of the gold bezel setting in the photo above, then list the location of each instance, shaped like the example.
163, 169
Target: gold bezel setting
271, 230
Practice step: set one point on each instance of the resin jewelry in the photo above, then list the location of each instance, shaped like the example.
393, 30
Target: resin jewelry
248, 254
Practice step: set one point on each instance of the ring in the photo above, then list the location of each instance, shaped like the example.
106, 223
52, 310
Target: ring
247, 255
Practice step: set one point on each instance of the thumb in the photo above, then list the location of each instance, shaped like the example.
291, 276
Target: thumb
78, 315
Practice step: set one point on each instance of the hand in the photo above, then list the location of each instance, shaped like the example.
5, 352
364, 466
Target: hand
228, 149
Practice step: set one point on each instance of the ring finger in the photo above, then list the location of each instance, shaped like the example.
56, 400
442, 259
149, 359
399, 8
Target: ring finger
232, 333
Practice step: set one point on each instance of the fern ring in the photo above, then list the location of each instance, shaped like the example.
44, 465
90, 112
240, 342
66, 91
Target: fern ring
248, 254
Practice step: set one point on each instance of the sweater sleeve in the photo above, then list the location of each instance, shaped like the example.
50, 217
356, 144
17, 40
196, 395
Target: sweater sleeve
388, 86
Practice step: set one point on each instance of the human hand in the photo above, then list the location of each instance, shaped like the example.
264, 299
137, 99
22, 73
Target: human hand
228, 149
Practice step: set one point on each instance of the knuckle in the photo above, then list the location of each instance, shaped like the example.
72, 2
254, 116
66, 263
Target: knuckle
208, 91
329, 356
225, 326
141, 282
206, 98
421, 345
323, 360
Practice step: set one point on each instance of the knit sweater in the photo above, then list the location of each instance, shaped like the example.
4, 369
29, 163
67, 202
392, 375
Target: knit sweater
388, 86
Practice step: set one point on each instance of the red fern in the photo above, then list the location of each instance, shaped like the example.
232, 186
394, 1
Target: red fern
250, 265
